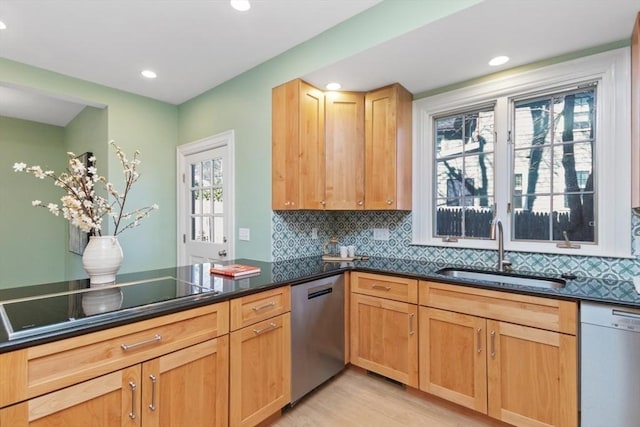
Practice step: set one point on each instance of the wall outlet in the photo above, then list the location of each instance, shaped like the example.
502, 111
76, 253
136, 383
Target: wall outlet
314, 233
380, 234
636, 250
244, 234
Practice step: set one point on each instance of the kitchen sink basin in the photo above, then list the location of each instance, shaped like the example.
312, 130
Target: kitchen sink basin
504, 278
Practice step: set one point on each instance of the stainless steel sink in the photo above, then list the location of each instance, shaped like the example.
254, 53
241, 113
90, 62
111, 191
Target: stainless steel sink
512, 279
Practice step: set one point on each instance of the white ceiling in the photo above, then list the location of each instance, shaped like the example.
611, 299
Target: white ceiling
195, 45
458, 47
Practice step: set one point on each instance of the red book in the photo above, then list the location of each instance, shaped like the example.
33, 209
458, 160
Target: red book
234, 270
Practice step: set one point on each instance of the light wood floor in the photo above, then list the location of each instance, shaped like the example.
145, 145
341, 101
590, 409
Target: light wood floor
356, 399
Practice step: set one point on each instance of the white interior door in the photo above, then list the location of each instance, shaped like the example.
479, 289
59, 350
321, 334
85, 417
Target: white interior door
205, 212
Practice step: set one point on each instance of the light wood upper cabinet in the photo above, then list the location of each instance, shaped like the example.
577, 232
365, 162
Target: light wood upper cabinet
344, 150
635, 114
298, 159
388, 148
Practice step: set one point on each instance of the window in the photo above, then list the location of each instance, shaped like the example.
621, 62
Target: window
548, 150
464, 174
536, 149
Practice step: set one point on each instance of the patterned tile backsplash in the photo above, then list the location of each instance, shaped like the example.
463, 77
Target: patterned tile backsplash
291, 238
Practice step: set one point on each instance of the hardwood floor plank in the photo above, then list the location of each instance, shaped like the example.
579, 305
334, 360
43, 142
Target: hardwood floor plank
355, 399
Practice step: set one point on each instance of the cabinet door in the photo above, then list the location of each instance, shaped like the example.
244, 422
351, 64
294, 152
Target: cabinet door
111, 400
311, 148
453, 357
388, 148
384, 337
297, 146
188, 387
344, 148
532, 375
260, 370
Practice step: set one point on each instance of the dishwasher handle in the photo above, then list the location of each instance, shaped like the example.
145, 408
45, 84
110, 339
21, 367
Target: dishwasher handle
315, 292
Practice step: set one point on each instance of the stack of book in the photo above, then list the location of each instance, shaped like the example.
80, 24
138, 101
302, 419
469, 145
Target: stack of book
234, 270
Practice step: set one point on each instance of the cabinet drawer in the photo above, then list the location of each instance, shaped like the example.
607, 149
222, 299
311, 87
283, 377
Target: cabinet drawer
538, 312
257, 307
390, 287
44, 368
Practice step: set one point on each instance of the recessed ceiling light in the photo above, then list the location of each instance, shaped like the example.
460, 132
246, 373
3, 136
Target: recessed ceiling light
148, 74
333, 86
3, 26
240, 5
499, 60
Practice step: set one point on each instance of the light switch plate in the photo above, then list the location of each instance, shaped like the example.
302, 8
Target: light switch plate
380, 234
314, 233
244, 234
636, 250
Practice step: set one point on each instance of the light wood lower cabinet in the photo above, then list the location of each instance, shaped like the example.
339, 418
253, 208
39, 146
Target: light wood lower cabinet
518, 373
260, 370
260, 363
384, 337
186, 388
107, 401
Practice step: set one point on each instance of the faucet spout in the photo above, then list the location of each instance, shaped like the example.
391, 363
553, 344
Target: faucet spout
496, 225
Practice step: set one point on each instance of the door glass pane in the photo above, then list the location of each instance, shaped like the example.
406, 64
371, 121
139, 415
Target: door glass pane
196, 174
552, 191
206, 173
218, 230
218, 204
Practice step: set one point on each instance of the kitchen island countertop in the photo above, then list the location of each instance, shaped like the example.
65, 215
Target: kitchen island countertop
42, 313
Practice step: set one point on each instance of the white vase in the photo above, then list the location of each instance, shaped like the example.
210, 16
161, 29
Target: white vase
102, 259
102, 300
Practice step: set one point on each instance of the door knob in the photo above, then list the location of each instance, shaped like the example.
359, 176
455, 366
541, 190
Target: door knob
222, 253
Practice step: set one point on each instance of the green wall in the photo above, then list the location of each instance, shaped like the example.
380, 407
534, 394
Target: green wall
244, 103
134, 122
33, 241
87, 132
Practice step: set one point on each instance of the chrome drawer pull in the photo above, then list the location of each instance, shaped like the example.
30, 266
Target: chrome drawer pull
479, 338
152, 405
493, 344
133, 387
376, 286
126, 347
411, 331
262, 307
268, 328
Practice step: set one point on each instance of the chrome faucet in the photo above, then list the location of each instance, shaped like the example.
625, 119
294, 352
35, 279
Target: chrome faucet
502, 261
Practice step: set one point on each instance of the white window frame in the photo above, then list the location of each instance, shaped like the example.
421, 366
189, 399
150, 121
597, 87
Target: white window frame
611, 70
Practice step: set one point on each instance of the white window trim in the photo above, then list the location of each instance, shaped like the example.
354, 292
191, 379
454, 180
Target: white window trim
612, 71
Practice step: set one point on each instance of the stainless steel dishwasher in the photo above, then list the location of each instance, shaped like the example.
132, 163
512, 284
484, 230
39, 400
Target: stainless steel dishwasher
317, 333
610, 371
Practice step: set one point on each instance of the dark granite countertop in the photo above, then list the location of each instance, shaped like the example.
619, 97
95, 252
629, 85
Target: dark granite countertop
143, 295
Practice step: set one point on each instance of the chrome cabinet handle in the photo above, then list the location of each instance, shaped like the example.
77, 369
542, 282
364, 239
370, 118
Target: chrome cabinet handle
411, 331
360, 203
384, 288
322, 202
493, 344
389, 201
262, 307
133, 387
268, 328
479, 337
127, 347
152, 405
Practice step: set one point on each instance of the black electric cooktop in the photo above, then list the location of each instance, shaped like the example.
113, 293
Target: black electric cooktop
34, 315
